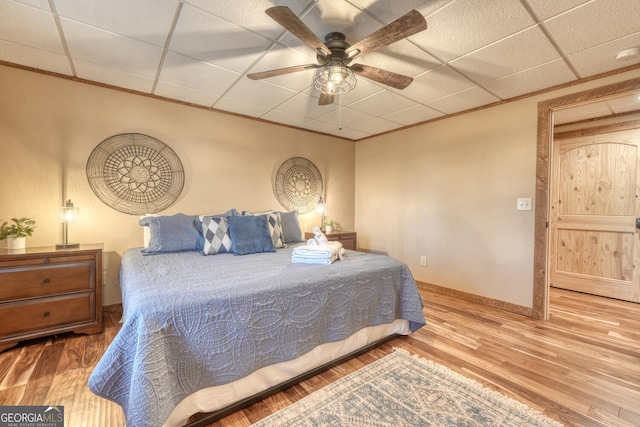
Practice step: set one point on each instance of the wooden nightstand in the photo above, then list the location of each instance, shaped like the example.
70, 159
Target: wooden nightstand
46, 291
347, 238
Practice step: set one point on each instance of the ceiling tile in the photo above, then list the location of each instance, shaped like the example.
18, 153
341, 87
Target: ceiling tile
382, 103
42, 32
240, 107
346, 116
203, 36
593, 23
40, 4
536, 78
250, 15
318, 126
349, 133
282, 57
185, 94
387, 11
101, 47
463, 26
145, 20
515, 53
111, 76
284, 117
602, 58
36, 58
545, 9
376, 126
307, 106
463, 100
401, 57
259, 92
436, 83
416, 114
188, 72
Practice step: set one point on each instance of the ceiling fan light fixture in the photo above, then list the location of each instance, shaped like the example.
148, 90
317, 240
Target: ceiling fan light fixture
335, 78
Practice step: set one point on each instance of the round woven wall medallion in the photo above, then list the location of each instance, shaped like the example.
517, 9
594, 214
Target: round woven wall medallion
135, 173
298, 185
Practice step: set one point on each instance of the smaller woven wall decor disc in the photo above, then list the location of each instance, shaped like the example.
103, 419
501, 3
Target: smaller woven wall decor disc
298, 185
135, 173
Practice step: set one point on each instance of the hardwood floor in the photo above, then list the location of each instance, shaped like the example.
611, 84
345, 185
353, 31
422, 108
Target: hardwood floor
582, 367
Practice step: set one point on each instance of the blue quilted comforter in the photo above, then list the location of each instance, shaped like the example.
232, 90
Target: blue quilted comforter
194, 321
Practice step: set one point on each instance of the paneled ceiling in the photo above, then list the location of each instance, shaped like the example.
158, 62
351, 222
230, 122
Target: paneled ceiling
473, 52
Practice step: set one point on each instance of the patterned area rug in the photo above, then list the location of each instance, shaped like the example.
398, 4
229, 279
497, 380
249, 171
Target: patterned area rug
405, 390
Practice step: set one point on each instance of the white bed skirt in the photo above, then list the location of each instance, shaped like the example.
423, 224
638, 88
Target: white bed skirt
214, 398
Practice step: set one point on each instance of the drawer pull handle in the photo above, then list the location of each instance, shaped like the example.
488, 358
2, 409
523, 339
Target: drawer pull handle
46, 314
45, 261
45, 281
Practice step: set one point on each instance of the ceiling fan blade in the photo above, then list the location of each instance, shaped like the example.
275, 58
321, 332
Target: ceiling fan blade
405, 26
325, 99
285, 17
395, 80
281, 71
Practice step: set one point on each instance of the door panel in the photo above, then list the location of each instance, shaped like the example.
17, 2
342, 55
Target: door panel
595, 246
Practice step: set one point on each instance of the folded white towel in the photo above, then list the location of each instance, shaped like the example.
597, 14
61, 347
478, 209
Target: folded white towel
317, 254
306, 260
334, 249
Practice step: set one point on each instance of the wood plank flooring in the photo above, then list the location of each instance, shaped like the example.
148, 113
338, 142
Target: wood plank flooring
581, 367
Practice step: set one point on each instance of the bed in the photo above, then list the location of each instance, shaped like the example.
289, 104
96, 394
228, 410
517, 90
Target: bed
202, 332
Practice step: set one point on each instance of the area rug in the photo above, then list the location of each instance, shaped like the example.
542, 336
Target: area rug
405, 390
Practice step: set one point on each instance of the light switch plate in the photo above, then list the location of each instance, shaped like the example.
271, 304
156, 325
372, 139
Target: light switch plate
524, 204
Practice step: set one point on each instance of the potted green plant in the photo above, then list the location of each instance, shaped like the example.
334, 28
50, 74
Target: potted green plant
17, 232
328, 224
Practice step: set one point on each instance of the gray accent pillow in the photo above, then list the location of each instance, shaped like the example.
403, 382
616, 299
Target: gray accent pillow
250, 234
172, 233
215, 230
291, 229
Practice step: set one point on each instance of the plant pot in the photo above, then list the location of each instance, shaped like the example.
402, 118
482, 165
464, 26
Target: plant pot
328, 228
16, 243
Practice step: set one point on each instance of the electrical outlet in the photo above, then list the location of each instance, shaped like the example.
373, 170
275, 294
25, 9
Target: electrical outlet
523, 204
423, 261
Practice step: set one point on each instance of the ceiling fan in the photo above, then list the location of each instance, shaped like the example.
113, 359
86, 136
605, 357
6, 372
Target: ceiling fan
335, 54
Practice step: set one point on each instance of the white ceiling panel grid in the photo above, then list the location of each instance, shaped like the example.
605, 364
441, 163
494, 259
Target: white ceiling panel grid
473, 53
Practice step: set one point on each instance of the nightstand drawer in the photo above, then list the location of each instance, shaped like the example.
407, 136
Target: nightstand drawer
46, 313
18, 283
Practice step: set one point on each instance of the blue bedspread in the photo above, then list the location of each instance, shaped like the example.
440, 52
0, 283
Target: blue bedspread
194, 321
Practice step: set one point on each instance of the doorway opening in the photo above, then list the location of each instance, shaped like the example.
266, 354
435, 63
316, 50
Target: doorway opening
546, 112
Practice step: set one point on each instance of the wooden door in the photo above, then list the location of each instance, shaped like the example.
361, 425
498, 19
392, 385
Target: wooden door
595, 246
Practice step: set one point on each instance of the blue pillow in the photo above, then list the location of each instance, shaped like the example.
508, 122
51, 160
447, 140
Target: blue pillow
250, 234
172, 233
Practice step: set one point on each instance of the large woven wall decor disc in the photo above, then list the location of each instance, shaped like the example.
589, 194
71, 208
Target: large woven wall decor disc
298, 185
135, 173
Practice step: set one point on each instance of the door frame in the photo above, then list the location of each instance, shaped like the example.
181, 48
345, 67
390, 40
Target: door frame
540, 306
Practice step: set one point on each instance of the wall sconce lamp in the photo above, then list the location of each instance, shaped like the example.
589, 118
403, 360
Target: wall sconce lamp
67, 214
321, 208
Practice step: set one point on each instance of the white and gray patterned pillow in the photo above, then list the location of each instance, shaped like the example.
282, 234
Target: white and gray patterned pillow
275, 226
217, 239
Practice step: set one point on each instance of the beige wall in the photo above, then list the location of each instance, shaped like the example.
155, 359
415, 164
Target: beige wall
49, 126
448, 190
